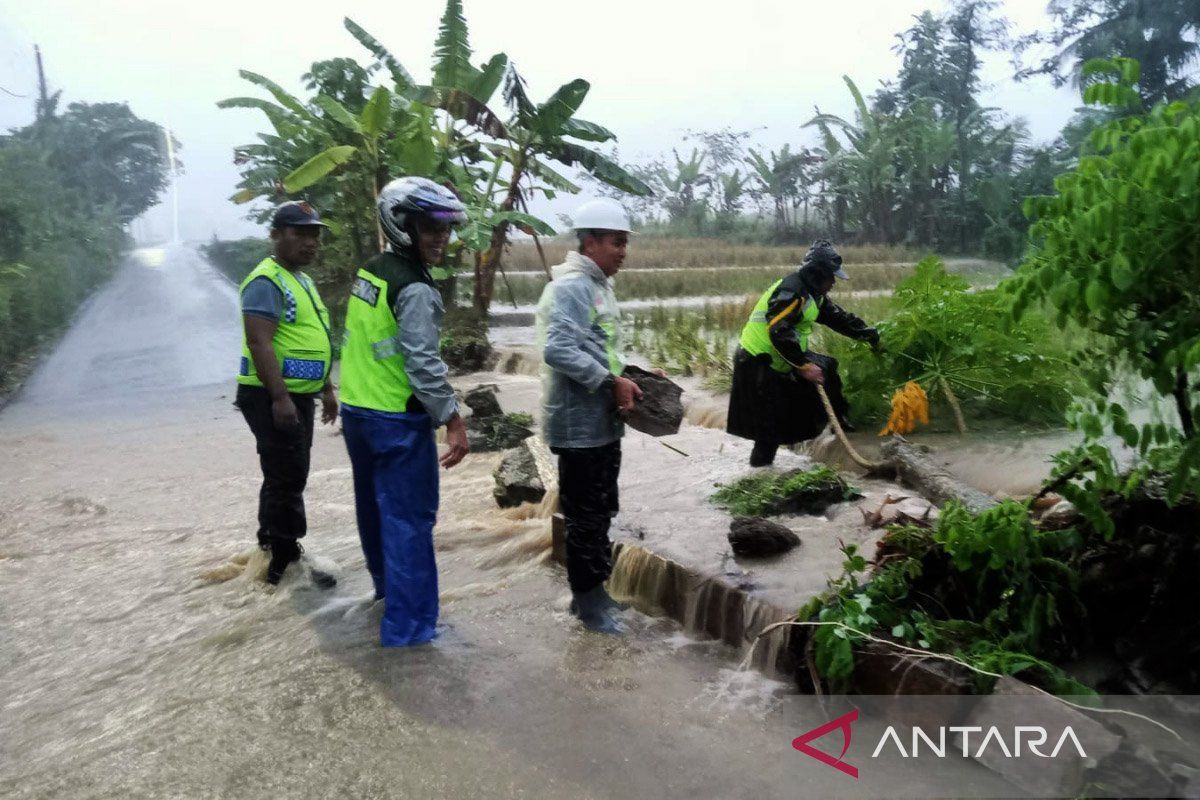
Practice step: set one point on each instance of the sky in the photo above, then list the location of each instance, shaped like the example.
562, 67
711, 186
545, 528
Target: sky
657, 69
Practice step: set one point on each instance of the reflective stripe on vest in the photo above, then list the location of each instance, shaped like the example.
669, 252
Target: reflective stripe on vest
373, 374
756, 335
301, 342
610, 324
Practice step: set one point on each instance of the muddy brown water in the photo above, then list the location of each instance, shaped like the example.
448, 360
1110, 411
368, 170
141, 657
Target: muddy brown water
141, 655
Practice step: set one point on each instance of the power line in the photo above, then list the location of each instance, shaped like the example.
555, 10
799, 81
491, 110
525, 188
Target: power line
13, 94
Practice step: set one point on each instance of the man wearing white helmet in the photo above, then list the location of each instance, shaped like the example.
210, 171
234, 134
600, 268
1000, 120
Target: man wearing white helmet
583, 396
395, 392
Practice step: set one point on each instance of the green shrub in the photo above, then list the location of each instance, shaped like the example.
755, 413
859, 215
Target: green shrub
798, 491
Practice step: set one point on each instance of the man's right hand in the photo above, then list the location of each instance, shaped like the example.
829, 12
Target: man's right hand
456, 438
626, 393
284, 414
812, 373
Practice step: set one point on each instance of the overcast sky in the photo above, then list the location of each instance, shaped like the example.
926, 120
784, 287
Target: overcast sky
656, 68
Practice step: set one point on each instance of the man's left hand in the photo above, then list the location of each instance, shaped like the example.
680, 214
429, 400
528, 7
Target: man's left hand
329, 404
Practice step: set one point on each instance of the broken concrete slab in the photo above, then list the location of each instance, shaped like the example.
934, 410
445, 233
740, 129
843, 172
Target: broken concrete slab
1014, 703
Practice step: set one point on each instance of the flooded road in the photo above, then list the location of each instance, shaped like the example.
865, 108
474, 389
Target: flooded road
141, 655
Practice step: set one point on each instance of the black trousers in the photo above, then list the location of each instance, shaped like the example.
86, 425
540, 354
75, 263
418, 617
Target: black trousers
284, 458
587, 497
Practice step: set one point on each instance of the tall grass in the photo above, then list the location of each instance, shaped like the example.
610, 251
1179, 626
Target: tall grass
662, 251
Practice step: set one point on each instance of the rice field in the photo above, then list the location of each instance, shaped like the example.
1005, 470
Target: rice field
525, 287
700, 341
657, 252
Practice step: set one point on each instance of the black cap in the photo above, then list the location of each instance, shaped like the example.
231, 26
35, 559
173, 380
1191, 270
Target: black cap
296, 213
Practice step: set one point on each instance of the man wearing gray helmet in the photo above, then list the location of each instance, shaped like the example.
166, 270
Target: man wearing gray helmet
774, 400
395, 392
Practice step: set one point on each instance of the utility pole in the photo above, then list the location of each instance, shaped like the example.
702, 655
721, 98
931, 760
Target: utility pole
43, 103
174, 183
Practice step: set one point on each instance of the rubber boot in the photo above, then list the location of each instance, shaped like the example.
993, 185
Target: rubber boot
613, 605
595, 612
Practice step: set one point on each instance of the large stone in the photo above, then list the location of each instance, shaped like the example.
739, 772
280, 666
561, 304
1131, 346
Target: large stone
1062, 514
755, 537
660, 411
518, 478
483, 402
491, 434
883, 670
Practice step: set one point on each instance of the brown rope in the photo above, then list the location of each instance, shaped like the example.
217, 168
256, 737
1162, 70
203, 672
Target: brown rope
872, 466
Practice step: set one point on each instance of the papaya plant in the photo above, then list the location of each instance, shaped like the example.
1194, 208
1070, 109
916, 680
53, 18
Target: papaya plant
1117, 251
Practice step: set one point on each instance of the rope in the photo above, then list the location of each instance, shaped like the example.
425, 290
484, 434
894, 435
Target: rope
872, 466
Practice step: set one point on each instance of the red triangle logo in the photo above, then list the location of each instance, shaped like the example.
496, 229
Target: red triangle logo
843, 723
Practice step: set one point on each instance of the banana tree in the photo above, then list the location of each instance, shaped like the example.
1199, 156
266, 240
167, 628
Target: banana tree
459, 92
778, 178
869, 163
730, 188
537, 133
680, 187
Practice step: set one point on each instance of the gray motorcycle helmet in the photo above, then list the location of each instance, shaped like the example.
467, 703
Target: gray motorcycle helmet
410, 195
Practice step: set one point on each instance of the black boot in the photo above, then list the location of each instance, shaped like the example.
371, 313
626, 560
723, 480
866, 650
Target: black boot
596, 613
763, 454
283, 552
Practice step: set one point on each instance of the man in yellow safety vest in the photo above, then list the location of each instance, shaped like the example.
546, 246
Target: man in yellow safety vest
286, 359
774, 399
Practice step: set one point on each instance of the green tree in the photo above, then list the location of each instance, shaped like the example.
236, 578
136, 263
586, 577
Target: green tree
538, 133
865, 172
1117, 251
105, 153
1163, 36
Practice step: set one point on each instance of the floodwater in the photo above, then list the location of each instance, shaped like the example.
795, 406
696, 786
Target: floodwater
141, 655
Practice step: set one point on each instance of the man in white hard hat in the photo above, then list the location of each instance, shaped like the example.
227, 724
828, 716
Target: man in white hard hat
583, 398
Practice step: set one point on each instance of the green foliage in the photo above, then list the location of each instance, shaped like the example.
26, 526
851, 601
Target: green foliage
464, 344
1162, 36
989, 589
941, 334
105, 155
768, 493
1118, 254
680, 347
68, 185
236, 257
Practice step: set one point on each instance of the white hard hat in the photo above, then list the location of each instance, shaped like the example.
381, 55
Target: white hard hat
604, 214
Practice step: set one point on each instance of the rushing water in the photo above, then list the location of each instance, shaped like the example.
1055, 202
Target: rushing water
141, 655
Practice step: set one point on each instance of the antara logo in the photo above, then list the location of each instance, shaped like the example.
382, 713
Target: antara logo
843, 722
1033, 737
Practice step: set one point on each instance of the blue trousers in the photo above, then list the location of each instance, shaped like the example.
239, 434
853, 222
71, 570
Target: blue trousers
394, 459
